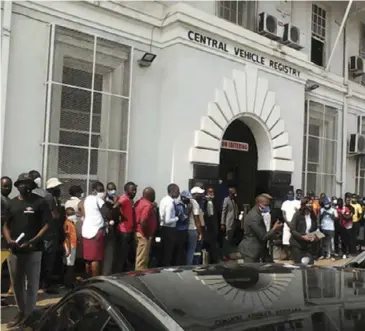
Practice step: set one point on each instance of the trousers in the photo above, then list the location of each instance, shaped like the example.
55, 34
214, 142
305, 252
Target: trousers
24, 272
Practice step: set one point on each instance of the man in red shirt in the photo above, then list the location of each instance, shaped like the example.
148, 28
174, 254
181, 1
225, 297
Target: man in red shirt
146, 226
126, 227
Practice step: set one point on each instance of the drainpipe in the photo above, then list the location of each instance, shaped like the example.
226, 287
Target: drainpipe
5, 27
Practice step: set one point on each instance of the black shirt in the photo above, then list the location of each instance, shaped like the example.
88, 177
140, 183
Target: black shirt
28, 217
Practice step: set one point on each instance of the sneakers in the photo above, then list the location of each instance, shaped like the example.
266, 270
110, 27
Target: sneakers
344, 256
17, 320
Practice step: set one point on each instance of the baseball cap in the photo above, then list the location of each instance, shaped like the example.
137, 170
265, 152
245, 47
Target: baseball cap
53, 182
197, 190
185, 194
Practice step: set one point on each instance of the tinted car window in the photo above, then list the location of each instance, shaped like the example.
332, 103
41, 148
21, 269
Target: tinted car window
81, 312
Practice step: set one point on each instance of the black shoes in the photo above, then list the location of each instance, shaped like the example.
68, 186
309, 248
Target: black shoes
17, 320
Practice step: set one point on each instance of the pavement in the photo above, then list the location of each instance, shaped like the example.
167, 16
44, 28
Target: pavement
7, 313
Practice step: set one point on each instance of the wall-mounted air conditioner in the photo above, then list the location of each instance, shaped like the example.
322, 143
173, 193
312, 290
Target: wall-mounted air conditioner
268, 26
357, 144
356, 66
292, 36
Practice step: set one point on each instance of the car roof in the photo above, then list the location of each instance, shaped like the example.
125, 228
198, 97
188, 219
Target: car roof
237, 296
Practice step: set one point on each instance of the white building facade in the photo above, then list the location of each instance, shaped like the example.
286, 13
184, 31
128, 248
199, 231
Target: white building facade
77, 105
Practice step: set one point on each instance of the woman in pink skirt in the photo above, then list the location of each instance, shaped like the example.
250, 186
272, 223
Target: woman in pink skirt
93, 226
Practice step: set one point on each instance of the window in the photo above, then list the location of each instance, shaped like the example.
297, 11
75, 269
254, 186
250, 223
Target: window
321, 284
87, 130
318, 40
82, 311
360, 161
320, 146
238, 12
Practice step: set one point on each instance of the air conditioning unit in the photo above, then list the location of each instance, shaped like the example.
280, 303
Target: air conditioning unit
292, 36
357, 143
268, 26
356, 65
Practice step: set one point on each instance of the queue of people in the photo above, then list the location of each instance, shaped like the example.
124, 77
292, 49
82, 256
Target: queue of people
323, 227
107, 232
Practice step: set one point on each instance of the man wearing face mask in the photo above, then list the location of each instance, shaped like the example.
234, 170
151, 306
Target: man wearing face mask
110, 254
53, 239
6, 187
289, 208
356, 218
230, 223
211, 225
254, 243
28, 218
36, 176
327, 218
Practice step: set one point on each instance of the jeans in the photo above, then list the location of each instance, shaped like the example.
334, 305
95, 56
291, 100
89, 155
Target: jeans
192, 241
48, 262
328, 242
24, 274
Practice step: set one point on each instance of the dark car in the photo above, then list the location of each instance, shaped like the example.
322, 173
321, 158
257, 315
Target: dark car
231, 296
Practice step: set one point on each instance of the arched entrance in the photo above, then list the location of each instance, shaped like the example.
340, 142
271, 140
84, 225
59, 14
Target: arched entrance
245, 98
238, 160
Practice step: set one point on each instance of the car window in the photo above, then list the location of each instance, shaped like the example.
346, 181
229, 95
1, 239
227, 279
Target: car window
81, 312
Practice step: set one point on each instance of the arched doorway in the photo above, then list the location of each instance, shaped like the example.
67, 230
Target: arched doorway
238, 161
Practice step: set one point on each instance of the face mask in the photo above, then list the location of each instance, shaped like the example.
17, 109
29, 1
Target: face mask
327, 206
24, 190
334, 202
101, 195
290, 197
82, 195
112, 193
265, 210
38, 181
72, 218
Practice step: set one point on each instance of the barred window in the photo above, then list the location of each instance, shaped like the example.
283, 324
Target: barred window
88, 110
318, 39
320, 146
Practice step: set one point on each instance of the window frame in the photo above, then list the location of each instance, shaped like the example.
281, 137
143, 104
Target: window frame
360, 159
109, 308
108, 150
322, 140
318, 38
247, 21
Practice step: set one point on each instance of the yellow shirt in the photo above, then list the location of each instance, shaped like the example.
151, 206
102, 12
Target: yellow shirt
358, 212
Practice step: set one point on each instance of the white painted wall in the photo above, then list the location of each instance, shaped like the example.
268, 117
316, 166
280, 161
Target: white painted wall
26, 96
168, 99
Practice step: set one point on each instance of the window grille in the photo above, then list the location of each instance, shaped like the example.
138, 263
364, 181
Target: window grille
88, 104
235, 11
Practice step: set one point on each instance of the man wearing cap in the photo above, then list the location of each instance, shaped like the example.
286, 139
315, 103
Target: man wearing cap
52, 237
26, 223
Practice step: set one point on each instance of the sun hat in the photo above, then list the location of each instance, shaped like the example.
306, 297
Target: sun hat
24, 177
197, 190
52, 182
185, 194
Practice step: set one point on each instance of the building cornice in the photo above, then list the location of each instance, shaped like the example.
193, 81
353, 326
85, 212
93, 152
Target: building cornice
167, 25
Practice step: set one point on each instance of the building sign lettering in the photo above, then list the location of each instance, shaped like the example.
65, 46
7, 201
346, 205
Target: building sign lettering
235, 145
242, 53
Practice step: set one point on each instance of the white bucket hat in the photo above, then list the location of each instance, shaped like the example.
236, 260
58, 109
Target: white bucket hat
53, 182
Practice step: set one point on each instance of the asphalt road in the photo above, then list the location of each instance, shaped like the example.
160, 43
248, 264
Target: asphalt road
7, 313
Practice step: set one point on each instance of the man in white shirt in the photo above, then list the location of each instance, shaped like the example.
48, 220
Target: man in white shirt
289, 208
168, 219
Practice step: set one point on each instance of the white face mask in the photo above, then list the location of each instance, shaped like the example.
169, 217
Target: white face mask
82, 195
72, 218
38, 181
